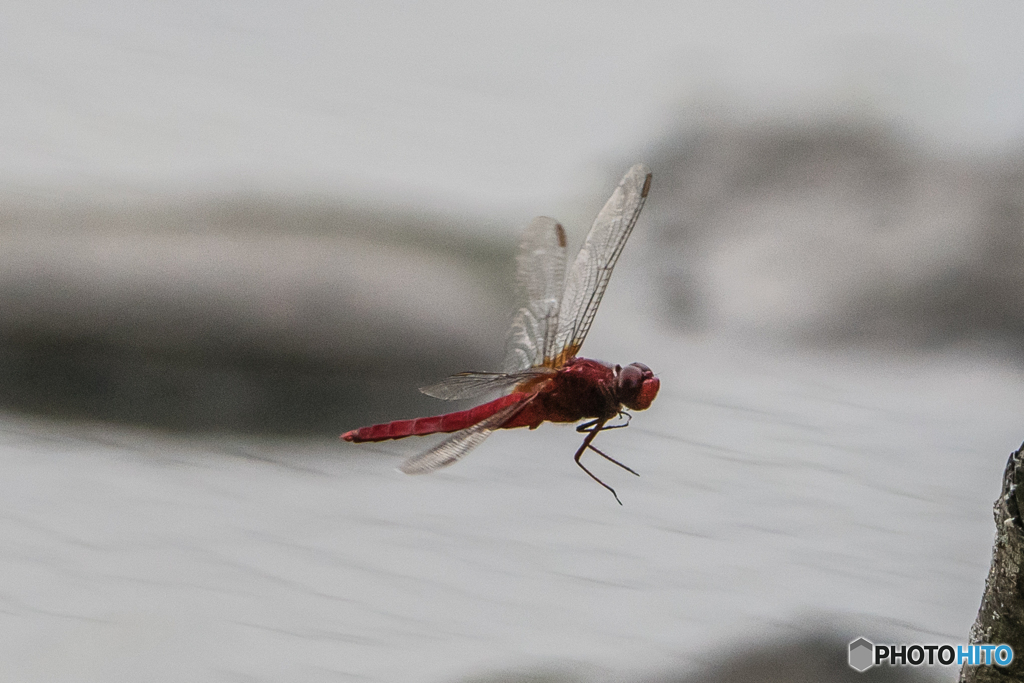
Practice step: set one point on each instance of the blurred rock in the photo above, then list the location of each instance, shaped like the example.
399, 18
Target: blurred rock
839, 233
242, 315
811, 659
808, 659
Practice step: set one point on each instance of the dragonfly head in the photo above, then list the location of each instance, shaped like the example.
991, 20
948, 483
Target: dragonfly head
637, 386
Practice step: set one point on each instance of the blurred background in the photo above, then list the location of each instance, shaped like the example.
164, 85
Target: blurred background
229, 233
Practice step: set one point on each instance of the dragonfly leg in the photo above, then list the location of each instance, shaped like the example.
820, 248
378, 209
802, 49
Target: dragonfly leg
623, 414
608, 457
593, 432
588, 427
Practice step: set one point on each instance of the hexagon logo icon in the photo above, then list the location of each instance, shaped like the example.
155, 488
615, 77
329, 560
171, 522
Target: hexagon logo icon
862, 654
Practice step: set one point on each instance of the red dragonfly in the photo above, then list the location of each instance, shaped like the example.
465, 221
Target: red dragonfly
542, 378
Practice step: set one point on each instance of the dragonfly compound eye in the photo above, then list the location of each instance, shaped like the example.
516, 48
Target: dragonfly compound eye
637, 386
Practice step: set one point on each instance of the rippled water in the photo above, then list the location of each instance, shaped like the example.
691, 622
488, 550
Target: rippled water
779, 492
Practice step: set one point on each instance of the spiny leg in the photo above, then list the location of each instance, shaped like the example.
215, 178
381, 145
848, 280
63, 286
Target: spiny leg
597, 425
586, 444
590, 426
608, 457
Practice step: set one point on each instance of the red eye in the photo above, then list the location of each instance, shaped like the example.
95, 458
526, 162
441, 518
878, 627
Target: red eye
648, 390
637, 386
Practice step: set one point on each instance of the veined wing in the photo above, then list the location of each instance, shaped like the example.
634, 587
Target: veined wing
461, 442
589, 275
540, 277
472, 384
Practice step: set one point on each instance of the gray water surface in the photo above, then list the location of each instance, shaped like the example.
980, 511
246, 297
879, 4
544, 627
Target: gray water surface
776, 490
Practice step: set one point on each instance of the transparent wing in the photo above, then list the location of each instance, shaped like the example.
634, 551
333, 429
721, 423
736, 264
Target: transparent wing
540, 277
589, 275
472, 384
461, 442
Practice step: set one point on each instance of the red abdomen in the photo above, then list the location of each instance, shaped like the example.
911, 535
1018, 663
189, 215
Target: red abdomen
452, 422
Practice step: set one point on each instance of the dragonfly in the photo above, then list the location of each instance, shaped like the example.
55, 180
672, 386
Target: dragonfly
542, 378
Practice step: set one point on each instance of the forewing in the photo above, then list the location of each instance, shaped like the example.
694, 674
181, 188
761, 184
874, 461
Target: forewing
472, 384
540, 277
461, 442
589, 275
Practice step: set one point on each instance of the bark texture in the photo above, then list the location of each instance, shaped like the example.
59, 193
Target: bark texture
1001, 616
